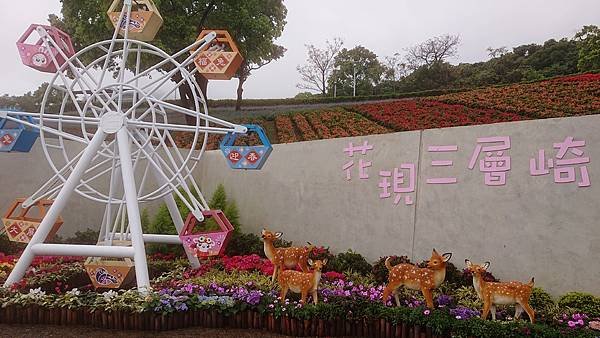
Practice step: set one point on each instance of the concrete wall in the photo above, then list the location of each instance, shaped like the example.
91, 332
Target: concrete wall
529, 227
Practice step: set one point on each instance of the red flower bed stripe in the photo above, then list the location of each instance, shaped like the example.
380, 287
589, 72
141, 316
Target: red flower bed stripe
566, 96
425, 114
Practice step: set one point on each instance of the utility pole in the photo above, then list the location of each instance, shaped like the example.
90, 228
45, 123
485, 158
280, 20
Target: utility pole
354, 79
334, 83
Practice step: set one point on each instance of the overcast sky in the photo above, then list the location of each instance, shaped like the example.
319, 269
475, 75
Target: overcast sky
385, 27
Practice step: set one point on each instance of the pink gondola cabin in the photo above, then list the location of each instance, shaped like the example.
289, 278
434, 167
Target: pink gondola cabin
45, 58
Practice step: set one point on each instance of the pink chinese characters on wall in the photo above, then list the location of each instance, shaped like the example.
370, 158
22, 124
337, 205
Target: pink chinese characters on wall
400, 183
495, 163
362, 164
442, 163
564, 169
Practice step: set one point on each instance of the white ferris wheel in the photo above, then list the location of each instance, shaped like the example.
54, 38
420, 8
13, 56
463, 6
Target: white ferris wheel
118, 147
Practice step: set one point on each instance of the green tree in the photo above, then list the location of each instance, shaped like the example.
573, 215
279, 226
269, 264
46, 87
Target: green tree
588, 41
360, 63
219, 198
254, 25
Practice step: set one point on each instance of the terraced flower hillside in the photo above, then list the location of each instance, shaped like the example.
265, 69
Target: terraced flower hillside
559, 97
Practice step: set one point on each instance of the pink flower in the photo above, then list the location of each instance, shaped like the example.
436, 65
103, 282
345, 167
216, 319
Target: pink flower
571, 323
426, 312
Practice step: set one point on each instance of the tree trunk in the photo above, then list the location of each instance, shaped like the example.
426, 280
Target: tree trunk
186, 92
240, 91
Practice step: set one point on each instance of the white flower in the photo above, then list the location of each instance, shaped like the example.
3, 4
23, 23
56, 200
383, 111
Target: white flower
73, 292
109, 295
36, 293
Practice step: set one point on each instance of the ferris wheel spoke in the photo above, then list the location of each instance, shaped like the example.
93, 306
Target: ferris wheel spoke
45, 129
110, 49
188, 171
168, 181
79, 76
123, 67
235, 127
197, 46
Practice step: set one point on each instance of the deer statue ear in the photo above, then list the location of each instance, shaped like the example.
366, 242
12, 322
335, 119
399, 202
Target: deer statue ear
435, 252
278, 234
264, 231
310, 262
486, 265
468, 263
325, 261
447, 256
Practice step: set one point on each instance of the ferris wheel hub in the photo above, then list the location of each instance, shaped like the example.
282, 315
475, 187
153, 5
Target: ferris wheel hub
111, 122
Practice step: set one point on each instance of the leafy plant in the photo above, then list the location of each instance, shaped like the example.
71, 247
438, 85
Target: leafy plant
244, 244
542, 303
467, 297
582, 302
381, 272
9, 247
350, 261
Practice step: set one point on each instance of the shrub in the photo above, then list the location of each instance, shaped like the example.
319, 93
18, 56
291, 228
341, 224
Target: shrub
467, 297
244, 244
542, 303
380, 272
582, 302
321, 253
456, 276
9, 247
350, 261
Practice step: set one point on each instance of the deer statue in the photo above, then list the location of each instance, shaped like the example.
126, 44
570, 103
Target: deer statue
415, 278
284, 257
500, 293
302, 282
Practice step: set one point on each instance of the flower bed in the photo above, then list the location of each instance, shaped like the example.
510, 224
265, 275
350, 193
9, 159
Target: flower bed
324, 125
236, 292
285, 129
559, 97
426, 114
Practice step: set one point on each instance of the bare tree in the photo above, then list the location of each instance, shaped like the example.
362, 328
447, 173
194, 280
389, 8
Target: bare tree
395, 67
433, 51
496, 52
319, 65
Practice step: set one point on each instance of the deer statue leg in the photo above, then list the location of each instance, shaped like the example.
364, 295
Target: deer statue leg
428, 297
486, 308
396, 297
314, 296
391, 287
304, 295
493, 310
518, 311
529, 311
303, 265
284, 291
275, 268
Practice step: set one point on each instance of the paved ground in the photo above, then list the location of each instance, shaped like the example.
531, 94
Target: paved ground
17, 331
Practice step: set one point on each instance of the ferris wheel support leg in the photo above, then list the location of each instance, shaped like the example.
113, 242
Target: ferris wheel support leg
53, 212
133, 212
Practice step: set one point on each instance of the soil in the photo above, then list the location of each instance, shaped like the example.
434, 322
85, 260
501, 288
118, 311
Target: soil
14, 331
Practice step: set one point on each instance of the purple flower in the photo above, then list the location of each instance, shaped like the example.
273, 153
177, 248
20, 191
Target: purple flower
444, 300
181, 307
463, 313
253, 297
